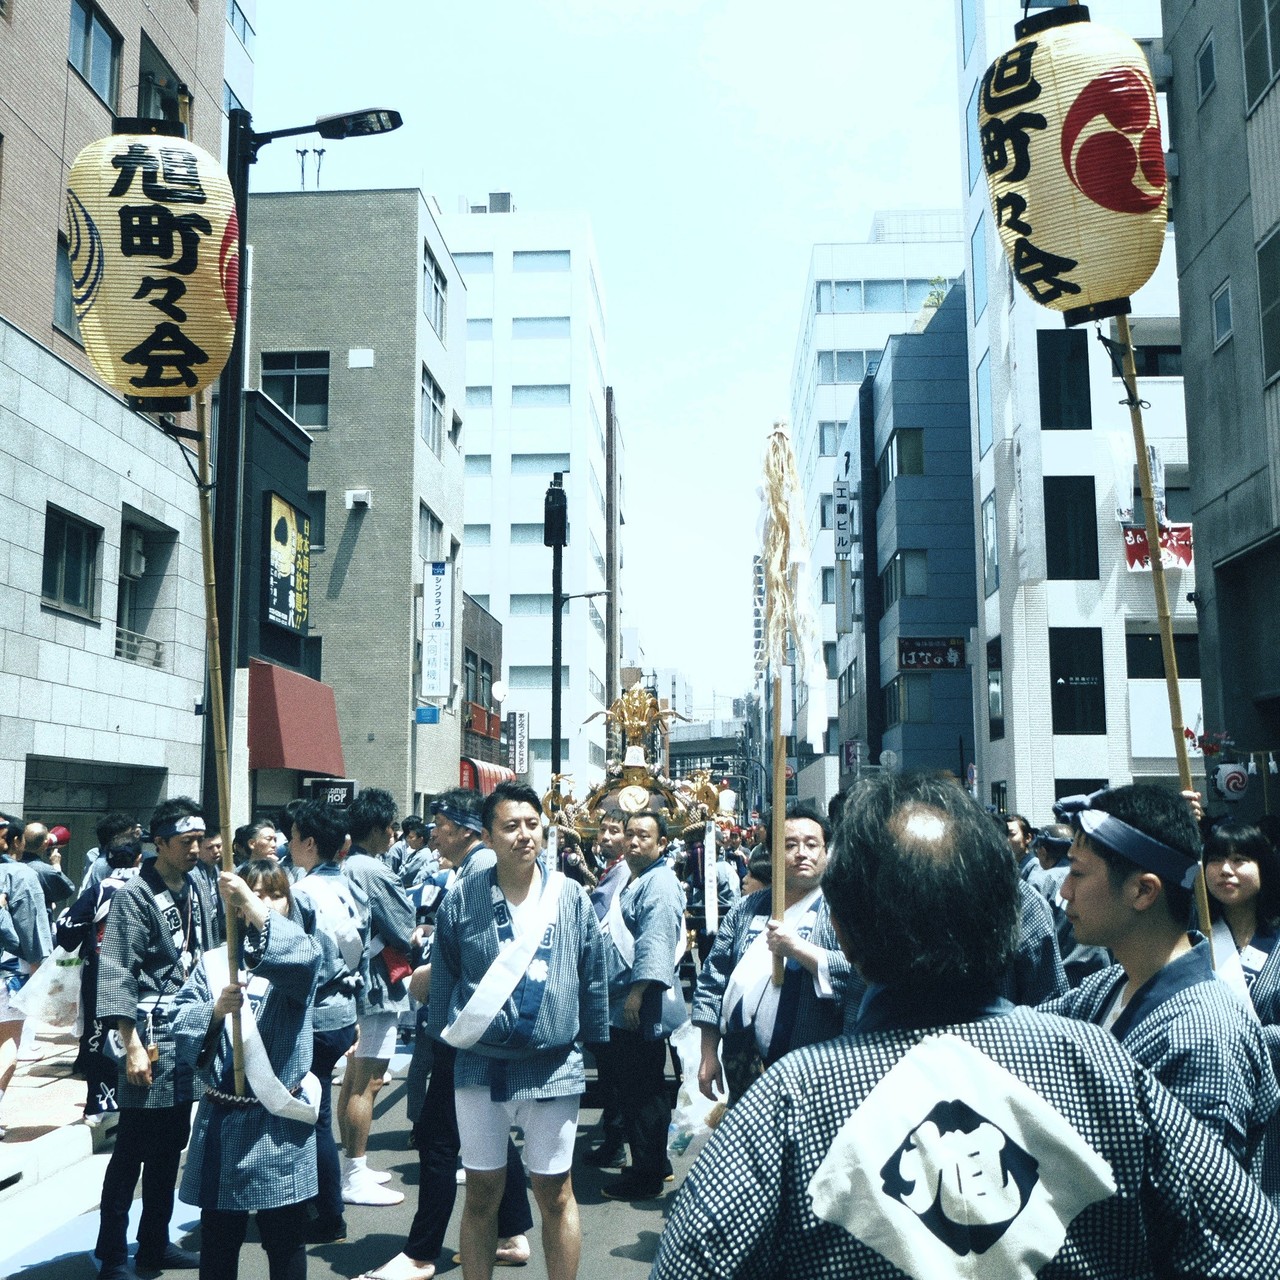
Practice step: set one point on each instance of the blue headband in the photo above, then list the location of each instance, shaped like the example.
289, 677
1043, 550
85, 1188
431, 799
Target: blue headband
459, 817
1137, 847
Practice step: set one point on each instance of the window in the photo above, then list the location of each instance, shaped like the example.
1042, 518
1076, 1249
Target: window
826, 511
595, 755
968, 26
597, 555
902, 456
479, 330
486, 683
990, 546
240, 25
434, 288
529, 535
540, 396
829, 660
1144, 655
1070, 511
828, 438
479, 397
432, 427
455, 430
474, 264
476, 535
540, 260
995, 689
596, 685
1000, 797
978, 268
94, 50
70, 570
470, 676
1063, 366
1078, 696
64, 311
538, 464
540, 748
536, 678
482, 601
828, 585
542, 327
973, 136
840, 296
530, 606
1221, 308
298, 381
986, 419
1269, 300
430, 534
1206, 73
842, 366
158, 86
1157, 361
831, 739
908, 700
597, 619
230, 102
1260, 26
906, 574
478, 464
596, 491
884, 295
317, 501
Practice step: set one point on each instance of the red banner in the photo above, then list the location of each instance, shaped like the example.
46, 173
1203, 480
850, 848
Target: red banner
1175, 547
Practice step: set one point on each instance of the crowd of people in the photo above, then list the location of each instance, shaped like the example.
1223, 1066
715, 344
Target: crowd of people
964, 1043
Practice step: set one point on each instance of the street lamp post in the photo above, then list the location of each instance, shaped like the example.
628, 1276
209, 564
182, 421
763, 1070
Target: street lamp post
243, 145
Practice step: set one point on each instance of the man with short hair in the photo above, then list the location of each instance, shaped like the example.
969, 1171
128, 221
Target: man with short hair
207, 869
518, 981
645, 925
416, 860
1133, 863
57, 886
112, 829
955, 1133
384, 995
156, 932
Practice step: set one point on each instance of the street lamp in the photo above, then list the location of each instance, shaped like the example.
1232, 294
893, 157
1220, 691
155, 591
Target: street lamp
243, 145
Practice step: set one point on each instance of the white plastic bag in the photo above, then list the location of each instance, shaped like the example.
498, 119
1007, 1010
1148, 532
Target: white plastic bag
695, 1114
52, 994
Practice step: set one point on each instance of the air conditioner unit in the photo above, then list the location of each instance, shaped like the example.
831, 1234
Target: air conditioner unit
133, 560
359, 498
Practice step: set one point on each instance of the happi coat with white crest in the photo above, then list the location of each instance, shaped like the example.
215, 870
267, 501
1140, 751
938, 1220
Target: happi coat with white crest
533, 1046
243, 1158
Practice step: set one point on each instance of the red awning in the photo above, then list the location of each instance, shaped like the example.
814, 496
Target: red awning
481, 775
293, 722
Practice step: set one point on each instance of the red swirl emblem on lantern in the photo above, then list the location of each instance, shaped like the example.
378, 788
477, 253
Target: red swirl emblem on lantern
1111, 146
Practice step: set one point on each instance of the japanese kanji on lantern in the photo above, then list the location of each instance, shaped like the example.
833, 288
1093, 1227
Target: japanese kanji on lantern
155, 260
1071, 145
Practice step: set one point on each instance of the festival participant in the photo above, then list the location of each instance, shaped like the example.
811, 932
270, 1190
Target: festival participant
256, 1152
518, 981
207, 869
383, 996
416, 860
955, 1133
1133, 864
645, 925
727, 887
736, 1003
113, 828
156, 932
36, 848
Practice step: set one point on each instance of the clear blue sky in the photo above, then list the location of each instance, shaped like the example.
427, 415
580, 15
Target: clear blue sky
712, 143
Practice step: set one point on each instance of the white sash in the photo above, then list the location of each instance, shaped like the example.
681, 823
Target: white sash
751, 982
616, 928
338, 915
257, 1065
1227, 964
504, 974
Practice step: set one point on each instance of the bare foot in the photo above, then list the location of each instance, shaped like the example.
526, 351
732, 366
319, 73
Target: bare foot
513, 1251
401, 1267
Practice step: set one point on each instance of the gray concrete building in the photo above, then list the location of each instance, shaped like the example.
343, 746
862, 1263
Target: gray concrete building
1224, 130
358, 332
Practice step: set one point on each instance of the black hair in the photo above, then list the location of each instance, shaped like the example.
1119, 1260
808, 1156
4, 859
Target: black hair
325, 823
114, 824
372, 810
123, 855
760, 865
413, 825
268, 876
173, 810
798, 811
1245, 840
286, 816
659, 819
15, 829
1163, 815
915, 910
1027, 829
505, 792
465, 799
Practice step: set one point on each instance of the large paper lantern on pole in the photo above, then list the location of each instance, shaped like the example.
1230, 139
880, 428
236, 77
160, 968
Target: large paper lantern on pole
155, 261
1070, 136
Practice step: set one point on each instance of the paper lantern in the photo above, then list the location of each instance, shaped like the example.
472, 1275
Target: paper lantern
154, 244
1070, 136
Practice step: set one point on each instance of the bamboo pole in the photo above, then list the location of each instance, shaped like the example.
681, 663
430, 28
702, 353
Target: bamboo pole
778, 833
1163, 616
216, 708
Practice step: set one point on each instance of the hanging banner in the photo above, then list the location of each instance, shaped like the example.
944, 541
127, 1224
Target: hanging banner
1175, 547
437, 630
288, 564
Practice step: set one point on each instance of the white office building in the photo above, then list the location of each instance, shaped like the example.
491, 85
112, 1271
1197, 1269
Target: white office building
536, 406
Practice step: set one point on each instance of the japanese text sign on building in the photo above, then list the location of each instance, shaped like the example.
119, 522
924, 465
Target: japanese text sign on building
437, 630
288, 564
154, 247
518, 741
843, 520
1070, 138
1175, 547
931, 653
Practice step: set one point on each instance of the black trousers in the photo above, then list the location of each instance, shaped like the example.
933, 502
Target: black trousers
149, 1142
222, 1233
326, 1048
639, 1068
612, 1131
436, 1136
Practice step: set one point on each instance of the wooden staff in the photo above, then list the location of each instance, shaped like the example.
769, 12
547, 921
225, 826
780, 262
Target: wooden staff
218, 712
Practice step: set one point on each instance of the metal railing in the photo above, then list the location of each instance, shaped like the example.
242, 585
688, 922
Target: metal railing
141, 649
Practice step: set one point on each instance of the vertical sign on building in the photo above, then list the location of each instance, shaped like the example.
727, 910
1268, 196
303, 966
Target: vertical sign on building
842, 500
437, 630
518, 741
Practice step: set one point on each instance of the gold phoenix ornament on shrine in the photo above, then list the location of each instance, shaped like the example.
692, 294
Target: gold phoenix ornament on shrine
155, 264
1070, 137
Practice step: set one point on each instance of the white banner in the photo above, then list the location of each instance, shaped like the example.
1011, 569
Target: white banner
437, 630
